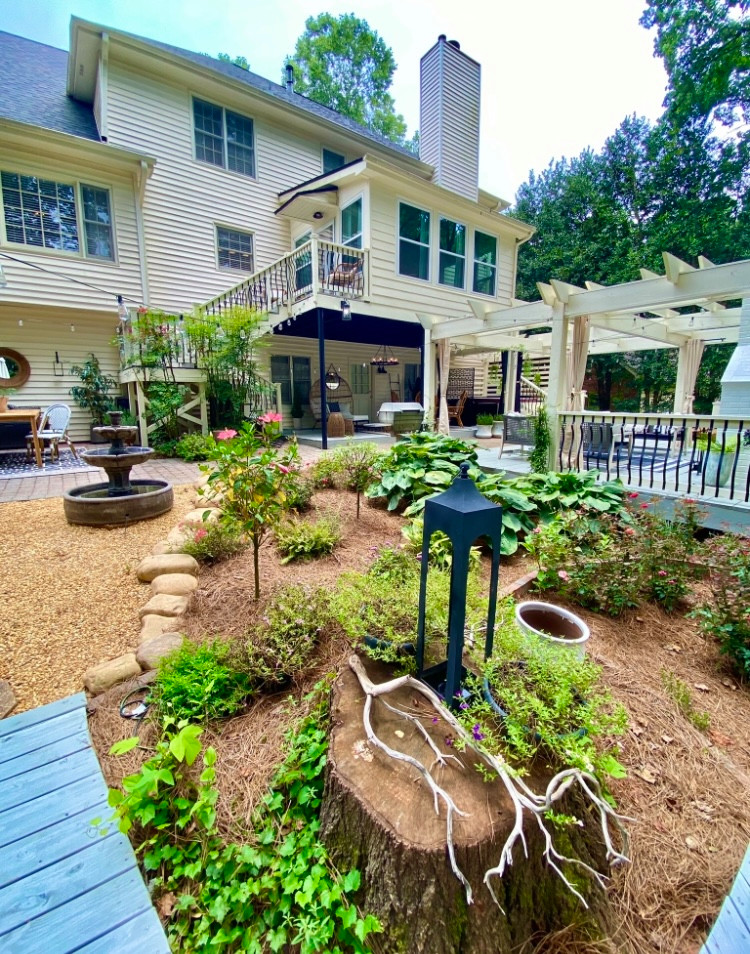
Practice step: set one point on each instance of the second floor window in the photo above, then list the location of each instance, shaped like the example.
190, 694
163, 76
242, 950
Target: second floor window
235, 249
351, 224
67, 217
223, 138
332, 161
452, 253
414, 242
485, 263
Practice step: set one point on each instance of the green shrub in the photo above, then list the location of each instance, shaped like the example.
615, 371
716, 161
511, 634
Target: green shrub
299, 490
727, 616
194, 447
199, 682
304, 539
213, 542
679, 693
539, 456
280, 645
324, 472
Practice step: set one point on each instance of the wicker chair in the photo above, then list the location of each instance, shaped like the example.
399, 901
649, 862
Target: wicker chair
339, 401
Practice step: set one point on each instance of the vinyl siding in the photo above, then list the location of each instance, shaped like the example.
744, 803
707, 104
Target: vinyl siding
58, 282
393, 291
47, 330
185, 199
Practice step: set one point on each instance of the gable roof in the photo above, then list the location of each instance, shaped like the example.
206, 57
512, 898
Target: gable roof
258, 84
32, 88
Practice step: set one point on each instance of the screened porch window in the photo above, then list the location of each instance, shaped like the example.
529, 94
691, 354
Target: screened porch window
414, 242
485, 263
452, 266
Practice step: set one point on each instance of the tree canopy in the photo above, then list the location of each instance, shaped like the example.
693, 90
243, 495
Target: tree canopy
342, 63
240, 61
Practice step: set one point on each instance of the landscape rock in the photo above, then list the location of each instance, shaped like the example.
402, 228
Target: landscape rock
177, 536
151, 651
154, 625
165, 604
175, 584
7, 699
201, 515
106, 674
163, 546
153, 566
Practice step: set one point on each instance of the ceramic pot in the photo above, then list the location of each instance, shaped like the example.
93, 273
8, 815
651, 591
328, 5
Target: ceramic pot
484, 430
718, 465
497, 429
554, 625
297, 423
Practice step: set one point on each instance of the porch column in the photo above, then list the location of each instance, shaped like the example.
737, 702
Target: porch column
556, 391
511, 391
428, 377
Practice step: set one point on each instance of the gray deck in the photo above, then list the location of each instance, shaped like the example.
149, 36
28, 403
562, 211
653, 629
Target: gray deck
65, 883
731, 932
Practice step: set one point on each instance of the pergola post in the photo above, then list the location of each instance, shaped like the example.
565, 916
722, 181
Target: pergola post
556, 391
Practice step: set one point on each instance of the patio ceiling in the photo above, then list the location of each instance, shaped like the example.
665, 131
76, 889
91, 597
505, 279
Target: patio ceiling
632, 316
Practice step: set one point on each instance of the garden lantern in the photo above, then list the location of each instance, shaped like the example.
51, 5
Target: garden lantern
464, 515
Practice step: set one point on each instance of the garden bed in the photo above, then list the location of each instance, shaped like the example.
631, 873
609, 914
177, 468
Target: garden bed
688, 788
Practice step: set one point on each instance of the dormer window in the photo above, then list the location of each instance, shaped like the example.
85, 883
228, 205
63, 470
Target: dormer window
224, 138
332, 161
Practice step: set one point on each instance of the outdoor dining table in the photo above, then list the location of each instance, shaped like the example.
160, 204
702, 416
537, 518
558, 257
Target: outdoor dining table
30, 414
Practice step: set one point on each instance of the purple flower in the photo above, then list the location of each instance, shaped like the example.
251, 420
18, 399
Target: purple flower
449, 740
435, 720
476, 731
464, 706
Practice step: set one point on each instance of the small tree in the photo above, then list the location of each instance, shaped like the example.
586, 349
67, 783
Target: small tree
359, 465
92, 394
251, 477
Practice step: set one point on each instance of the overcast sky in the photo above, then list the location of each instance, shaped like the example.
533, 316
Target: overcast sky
557, 75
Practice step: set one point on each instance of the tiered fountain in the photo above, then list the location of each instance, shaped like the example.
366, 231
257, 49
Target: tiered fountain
120, 500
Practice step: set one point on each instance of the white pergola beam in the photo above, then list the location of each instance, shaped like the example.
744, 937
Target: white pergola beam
640, 327
518, 318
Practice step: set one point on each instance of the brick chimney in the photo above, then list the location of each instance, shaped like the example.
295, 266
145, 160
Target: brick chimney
450, 84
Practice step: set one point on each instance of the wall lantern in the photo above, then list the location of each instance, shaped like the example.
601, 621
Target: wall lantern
346, 311
57, 366
464, 515
333, 378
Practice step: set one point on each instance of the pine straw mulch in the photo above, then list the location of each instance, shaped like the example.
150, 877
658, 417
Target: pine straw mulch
688, 790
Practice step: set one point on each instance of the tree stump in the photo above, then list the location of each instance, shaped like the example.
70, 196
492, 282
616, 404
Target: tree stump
378, 815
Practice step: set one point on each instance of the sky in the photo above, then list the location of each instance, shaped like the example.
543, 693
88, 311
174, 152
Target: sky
557, 75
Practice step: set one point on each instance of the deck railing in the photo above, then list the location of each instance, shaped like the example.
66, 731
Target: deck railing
685, 454
314, 268
531, 396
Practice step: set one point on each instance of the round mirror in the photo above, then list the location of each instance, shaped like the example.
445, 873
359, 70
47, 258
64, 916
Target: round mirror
14, 368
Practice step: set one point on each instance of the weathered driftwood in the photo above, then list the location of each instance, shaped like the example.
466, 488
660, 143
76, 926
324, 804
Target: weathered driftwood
441, 850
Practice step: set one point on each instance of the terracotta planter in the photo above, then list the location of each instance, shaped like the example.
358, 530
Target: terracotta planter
553, 624
3, 403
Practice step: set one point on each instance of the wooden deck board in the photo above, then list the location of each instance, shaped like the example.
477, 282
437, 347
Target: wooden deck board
66, 884
731, 931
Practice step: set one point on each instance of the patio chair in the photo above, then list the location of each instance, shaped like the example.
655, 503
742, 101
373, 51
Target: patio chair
53, 430
456, 410
598, 445
347, 276
517, 429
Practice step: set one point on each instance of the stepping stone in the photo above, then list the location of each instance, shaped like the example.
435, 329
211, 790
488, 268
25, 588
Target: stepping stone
175, 584
154, 625
7, 699
153, 650
153, 566
165, 604
197, 516
107, 674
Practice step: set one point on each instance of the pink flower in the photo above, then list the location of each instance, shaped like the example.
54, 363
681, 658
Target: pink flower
644, 506
282, 468
662, 573
632, 496
630, 531
226, 435
270, 417
688, 500
564, 576
200, 534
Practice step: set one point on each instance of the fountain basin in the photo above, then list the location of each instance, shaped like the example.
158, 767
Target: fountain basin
94, 506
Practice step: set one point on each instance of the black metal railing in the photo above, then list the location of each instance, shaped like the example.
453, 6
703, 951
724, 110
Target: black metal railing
684, 454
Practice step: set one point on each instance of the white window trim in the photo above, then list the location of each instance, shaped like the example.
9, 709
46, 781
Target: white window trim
225, 168
430, 246
441, 218
224, 269
81, 254
473, 262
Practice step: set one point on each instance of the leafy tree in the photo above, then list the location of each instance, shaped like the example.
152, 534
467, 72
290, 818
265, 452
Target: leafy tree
344, 64
240, 61
705, 46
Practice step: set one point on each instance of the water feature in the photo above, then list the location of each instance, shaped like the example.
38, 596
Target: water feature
120, 500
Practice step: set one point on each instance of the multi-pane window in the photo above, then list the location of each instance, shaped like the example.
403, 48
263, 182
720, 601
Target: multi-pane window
452, 264
414, 242
235, 249
48, 214
485, 263
293, 374
332, 161
351, 224
223, 138
359, 378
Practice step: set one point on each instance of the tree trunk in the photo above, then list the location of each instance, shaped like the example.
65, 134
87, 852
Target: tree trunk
378, 816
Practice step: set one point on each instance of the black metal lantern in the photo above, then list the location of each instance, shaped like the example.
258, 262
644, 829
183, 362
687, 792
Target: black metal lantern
464, 515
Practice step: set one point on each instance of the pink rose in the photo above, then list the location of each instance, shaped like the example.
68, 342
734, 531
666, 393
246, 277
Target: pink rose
200, 534
270, 417
226, 435
662, 573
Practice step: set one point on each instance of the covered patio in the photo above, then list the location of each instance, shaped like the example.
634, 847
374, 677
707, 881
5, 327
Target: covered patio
673, 454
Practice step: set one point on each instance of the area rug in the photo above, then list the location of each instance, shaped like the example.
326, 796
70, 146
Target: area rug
16, 465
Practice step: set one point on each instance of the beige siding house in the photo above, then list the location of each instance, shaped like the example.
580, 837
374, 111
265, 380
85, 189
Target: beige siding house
132, 168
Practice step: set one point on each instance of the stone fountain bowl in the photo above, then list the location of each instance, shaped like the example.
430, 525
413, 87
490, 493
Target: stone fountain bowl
92, 505
116, 460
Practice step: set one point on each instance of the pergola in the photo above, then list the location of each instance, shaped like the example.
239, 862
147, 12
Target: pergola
597, 319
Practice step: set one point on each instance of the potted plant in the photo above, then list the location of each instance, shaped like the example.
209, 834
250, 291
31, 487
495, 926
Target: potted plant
484, 425
497, 425
297, 411
92, 394
718, 458
4, 395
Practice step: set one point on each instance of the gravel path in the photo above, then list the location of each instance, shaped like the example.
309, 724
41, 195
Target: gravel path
69, 597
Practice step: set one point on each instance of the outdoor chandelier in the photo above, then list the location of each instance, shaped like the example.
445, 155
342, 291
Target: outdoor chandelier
383, 358
333, 378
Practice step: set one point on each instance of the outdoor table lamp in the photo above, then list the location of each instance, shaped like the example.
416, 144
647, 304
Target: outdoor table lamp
464, 515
